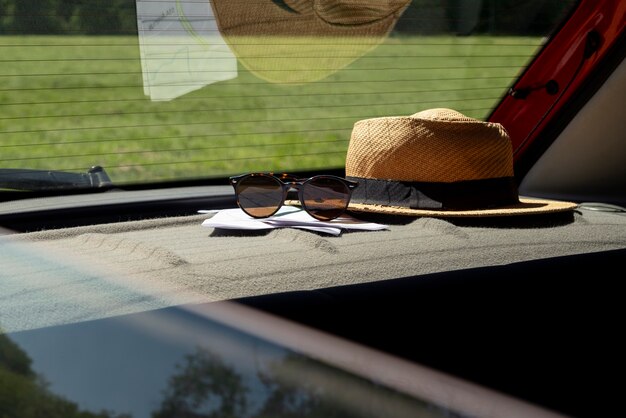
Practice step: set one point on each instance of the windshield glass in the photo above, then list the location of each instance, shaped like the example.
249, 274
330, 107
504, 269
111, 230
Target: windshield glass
152, 91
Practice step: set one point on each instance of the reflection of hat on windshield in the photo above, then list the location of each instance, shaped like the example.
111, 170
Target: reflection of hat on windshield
296, 41
437, 163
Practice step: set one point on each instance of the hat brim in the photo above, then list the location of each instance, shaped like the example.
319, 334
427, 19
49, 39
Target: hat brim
525, 206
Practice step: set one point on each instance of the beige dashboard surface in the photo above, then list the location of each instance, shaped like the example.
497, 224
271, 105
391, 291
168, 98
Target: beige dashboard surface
76, 274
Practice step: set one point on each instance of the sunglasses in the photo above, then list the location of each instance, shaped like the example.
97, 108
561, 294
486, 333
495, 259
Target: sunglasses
261, 195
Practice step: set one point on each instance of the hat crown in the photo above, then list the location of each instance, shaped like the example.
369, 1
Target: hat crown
443, 114
436, 145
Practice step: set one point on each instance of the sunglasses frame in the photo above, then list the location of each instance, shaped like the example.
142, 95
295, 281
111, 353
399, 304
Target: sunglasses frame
289, 183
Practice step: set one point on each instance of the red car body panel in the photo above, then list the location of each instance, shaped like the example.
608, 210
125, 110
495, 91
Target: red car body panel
559, 70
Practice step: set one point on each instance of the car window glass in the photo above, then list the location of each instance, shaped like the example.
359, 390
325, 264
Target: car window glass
165, 90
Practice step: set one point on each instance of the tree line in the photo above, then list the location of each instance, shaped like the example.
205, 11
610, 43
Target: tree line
87, 17
462, 17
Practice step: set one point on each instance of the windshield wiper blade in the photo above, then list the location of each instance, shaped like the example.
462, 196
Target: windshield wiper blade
38, 180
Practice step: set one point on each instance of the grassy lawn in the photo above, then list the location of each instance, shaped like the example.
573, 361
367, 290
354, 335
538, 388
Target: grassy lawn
70, 103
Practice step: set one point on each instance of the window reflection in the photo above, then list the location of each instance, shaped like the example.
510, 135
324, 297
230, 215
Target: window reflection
171, 364
289, 386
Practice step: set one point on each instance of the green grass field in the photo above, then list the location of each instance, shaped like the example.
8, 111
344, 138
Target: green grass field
69, 103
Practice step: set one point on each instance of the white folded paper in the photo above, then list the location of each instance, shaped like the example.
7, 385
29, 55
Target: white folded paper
287, 216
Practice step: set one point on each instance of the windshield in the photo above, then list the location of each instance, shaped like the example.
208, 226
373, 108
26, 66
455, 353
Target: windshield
151, 91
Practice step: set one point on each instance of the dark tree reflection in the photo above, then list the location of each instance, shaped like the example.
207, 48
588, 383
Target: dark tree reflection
204, 387
289, 386
301, 387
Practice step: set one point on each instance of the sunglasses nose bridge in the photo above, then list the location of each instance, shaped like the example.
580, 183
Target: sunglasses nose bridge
292, 186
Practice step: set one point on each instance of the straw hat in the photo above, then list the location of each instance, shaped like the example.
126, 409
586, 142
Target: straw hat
297, 41
437, 163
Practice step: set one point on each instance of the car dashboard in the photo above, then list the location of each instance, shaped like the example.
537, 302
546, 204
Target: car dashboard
524, 306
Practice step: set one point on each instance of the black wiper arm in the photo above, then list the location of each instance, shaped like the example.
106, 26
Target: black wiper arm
36, 180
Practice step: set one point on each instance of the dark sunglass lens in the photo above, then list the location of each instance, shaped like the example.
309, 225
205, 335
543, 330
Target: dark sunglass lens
325, 198
259, 196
